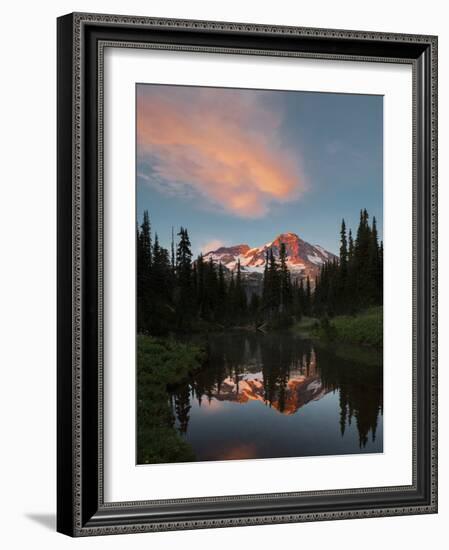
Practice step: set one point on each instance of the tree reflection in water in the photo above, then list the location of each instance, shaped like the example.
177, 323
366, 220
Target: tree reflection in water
285, 373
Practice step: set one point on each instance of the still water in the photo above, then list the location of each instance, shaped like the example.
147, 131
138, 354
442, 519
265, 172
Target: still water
280, 395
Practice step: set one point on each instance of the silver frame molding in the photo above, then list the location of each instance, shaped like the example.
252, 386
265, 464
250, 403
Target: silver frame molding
81, 42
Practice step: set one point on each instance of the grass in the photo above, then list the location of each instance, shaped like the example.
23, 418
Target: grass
160, 363
365, 328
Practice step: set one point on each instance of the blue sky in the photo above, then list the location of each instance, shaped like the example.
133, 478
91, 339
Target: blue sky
242, 166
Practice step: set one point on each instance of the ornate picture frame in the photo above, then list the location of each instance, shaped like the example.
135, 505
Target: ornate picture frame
81, 507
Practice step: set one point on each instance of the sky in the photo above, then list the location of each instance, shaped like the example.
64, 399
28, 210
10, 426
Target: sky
241, 166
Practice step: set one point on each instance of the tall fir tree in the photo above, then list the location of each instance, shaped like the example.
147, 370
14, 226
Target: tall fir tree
273, 284
144, 261
374, 267
230, 308
221, 293
200, 284
265, 284
211, 290
343, 248
239, 294
350, 247
173, 256
184, 279
145, 236
340, 290
285, 289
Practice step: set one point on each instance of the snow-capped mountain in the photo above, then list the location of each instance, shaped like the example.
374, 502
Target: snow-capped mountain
303, 259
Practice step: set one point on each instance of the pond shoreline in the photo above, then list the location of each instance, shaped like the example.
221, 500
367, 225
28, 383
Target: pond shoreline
365, 328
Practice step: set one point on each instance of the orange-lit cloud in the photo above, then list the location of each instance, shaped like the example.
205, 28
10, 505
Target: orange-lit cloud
223, 146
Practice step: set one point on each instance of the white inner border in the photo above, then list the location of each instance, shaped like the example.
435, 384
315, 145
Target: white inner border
123, 480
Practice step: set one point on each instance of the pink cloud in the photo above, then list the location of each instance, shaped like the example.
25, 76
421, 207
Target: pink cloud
225, 145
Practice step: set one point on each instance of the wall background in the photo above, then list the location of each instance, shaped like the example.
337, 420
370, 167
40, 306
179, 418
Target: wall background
28, 267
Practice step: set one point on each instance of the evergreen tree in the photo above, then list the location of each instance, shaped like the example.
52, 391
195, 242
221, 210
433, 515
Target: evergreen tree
143, 279
184, 253
265, 285
221, 293
308, 300
350, 247
200, 284
351, 280
146, 243
273, 282
361, 261
195, 285
173, 257
211, 290
374, 265
343, 248
341, 286
230, 309
285, 282
161, 309
239, 297
184, 272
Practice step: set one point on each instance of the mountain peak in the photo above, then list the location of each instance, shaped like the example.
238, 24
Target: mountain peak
303, 259
285, 237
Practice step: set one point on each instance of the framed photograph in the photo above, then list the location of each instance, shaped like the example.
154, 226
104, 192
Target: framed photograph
247, 278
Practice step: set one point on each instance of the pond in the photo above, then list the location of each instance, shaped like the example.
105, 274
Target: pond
280, 395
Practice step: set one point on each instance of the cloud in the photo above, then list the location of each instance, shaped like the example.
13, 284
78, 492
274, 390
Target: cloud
222, 146
211, 245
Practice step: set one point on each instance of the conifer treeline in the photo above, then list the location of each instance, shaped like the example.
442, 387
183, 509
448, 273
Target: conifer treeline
354, 281
176, 293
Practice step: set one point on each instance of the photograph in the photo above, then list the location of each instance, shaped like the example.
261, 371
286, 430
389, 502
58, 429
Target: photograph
247, 275
259, 273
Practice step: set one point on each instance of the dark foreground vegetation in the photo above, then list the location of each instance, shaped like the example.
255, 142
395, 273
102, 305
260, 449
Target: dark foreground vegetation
160, 364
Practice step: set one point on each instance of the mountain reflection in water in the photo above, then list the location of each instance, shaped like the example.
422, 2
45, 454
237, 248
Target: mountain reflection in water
278, 395
297, 390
